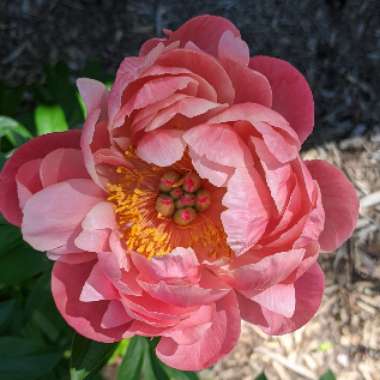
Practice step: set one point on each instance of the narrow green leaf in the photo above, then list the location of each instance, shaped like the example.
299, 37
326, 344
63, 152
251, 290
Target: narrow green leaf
88, 356
50, 119
15, 132
131, 366
328, 375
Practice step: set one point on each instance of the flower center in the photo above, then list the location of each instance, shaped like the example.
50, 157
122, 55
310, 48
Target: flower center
181, 198
158, 209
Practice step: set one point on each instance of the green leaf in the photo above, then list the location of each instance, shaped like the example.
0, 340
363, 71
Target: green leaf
261, 377
15, 132
24, 359
2, 160
6, 309
328, 375
131, 366
88, 356
50, 119
21, 263
175, 374
10, 237
140, 361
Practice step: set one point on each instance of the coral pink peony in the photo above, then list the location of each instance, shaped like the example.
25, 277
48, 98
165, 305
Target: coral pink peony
183, 205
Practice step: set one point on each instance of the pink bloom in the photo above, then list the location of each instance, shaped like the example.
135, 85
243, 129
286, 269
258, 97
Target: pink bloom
183, 205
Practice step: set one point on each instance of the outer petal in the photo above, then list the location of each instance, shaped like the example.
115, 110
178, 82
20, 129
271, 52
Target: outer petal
204, 31
292, 96
85, 317
340, 203
28, 180
62, 164
33, 149
308, 296
214, 343
59, 210
233, 48
93, 92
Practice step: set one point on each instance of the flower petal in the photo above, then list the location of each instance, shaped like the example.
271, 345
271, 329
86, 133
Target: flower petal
340, 203
204, 31
308, 295
162, 147
217, 341
84, 317
203, 65
292, 96
59, 210
233, 48
249, 84
33, 149
62, 164
93, 92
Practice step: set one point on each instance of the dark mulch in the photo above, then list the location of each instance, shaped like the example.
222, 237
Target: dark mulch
336, 43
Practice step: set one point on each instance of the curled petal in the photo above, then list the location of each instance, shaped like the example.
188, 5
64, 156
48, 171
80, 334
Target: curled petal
340, 203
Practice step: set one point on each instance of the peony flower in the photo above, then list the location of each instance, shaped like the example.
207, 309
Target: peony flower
183, 206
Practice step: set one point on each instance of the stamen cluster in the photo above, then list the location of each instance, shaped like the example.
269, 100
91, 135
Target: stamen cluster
181, 197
